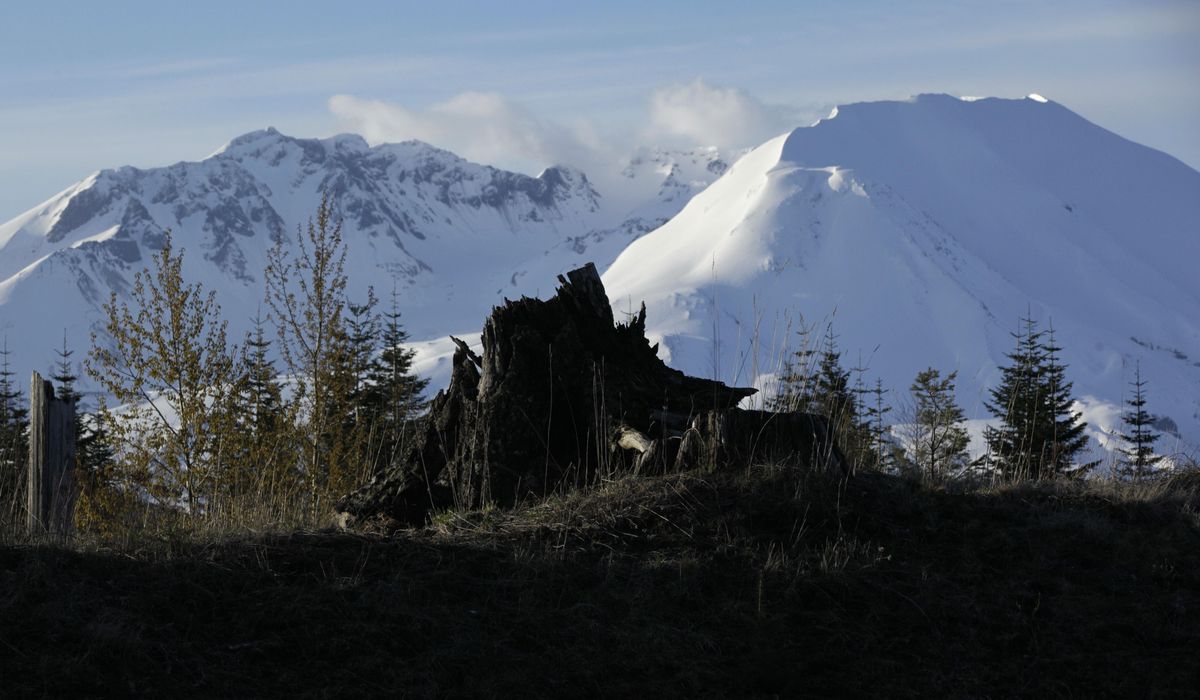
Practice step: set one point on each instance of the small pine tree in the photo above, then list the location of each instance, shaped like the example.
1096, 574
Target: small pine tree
1015, 402
796, 380
63, 373
14, 444
832, 396
937, 439
1039, 434
263, 464
261, 392
1067, 437
874, 414
357, 443
362, 338
396, 388
857, 436
101, 501
14, 417
93, 454
1137, 456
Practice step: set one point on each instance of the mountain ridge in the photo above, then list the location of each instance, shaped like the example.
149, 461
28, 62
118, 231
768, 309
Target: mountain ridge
453, 236
924, 211
926, 229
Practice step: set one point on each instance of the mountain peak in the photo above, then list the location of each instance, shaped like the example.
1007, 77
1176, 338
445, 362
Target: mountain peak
935, 102
273, 145
347, 142
256, 138
931, 224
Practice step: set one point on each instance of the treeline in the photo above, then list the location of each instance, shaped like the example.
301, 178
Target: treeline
206, 431
1037, 434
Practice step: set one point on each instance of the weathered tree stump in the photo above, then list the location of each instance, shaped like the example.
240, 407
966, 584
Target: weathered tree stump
51, 483
562, 396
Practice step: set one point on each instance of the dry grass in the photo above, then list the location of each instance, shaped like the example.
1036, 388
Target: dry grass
749, 583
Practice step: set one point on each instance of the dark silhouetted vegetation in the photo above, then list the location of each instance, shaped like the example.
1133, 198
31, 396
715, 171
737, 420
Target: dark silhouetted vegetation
756, 582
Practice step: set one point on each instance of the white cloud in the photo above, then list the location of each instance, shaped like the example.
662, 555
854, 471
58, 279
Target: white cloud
699, 113
489, 128
483, 127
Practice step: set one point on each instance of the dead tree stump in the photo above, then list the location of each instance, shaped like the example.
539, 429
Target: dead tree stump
560, 396
51, 483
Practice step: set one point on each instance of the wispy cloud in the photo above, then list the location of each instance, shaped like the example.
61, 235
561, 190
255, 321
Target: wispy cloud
484, 127
700, 113
491, 128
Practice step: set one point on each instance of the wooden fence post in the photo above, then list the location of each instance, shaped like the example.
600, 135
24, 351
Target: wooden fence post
51, 460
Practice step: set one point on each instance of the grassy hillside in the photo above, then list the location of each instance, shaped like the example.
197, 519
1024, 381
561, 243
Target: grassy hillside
757, 583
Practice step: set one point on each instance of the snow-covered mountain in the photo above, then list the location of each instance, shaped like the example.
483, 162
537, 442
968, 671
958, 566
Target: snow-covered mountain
453, 237
925, 229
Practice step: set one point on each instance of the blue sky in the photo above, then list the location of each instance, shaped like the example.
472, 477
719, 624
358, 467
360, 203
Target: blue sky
87, 85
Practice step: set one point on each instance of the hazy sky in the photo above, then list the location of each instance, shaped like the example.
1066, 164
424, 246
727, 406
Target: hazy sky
87, 85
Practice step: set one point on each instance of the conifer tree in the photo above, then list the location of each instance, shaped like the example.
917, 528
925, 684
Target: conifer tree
1067, 437
170, 367
396, 388
936, 435
261, 392
63, 373
1039, 434
875, 411
92, 450
93, 453
13, 444
362, 338
263, 462
360, 442
14, 416
796, 380
1015, 401
832, 396
1137, 456
857, 433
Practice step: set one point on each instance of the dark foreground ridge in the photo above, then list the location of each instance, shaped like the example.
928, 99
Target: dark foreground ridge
563, 396
762, 582
576, 519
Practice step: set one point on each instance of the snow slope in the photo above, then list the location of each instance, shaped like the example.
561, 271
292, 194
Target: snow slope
924, 230
453, 237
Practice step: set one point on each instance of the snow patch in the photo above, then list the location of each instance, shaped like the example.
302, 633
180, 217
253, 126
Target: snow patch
434, 358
